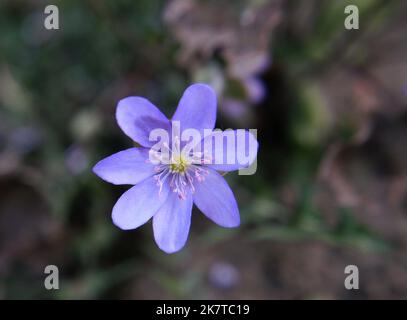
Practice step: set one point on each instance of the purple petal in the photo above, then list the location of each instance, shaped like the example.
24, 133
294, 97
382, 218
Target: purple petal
171, 223
138, 204
197, 108
125, 167
137, 117
241, 153
216, 200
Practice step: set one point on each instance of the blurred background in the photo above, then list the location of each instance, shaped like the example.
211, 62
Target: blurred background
330, 106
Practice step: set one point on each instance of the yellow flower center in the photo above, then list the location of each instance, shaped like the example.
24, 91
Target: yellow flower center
179, 165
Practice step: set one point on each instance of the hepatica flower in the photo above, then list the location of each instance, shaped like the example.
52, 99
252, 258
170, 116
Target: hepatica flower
169, 177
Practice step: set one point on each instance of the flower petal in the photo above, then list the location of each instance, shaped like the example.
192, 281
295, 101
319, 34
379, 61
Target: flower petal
216, 200
137, 117
230, 149
197, 108
125, 167
138, 204
171, 223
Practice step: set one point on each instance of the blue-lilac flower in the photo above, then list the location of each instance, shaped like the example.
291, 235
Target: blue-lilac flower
166, 191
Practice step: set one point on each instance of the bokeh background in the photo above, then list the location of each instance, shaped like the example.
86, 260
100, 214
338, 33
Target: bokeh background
330, 106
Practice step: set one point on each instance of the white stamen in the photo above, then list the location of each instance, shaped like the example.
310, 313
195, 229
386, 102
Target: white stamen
183, 169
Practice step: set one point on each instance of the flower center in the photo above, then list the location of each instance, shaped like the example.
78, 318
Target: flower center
179, 165
183, 169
